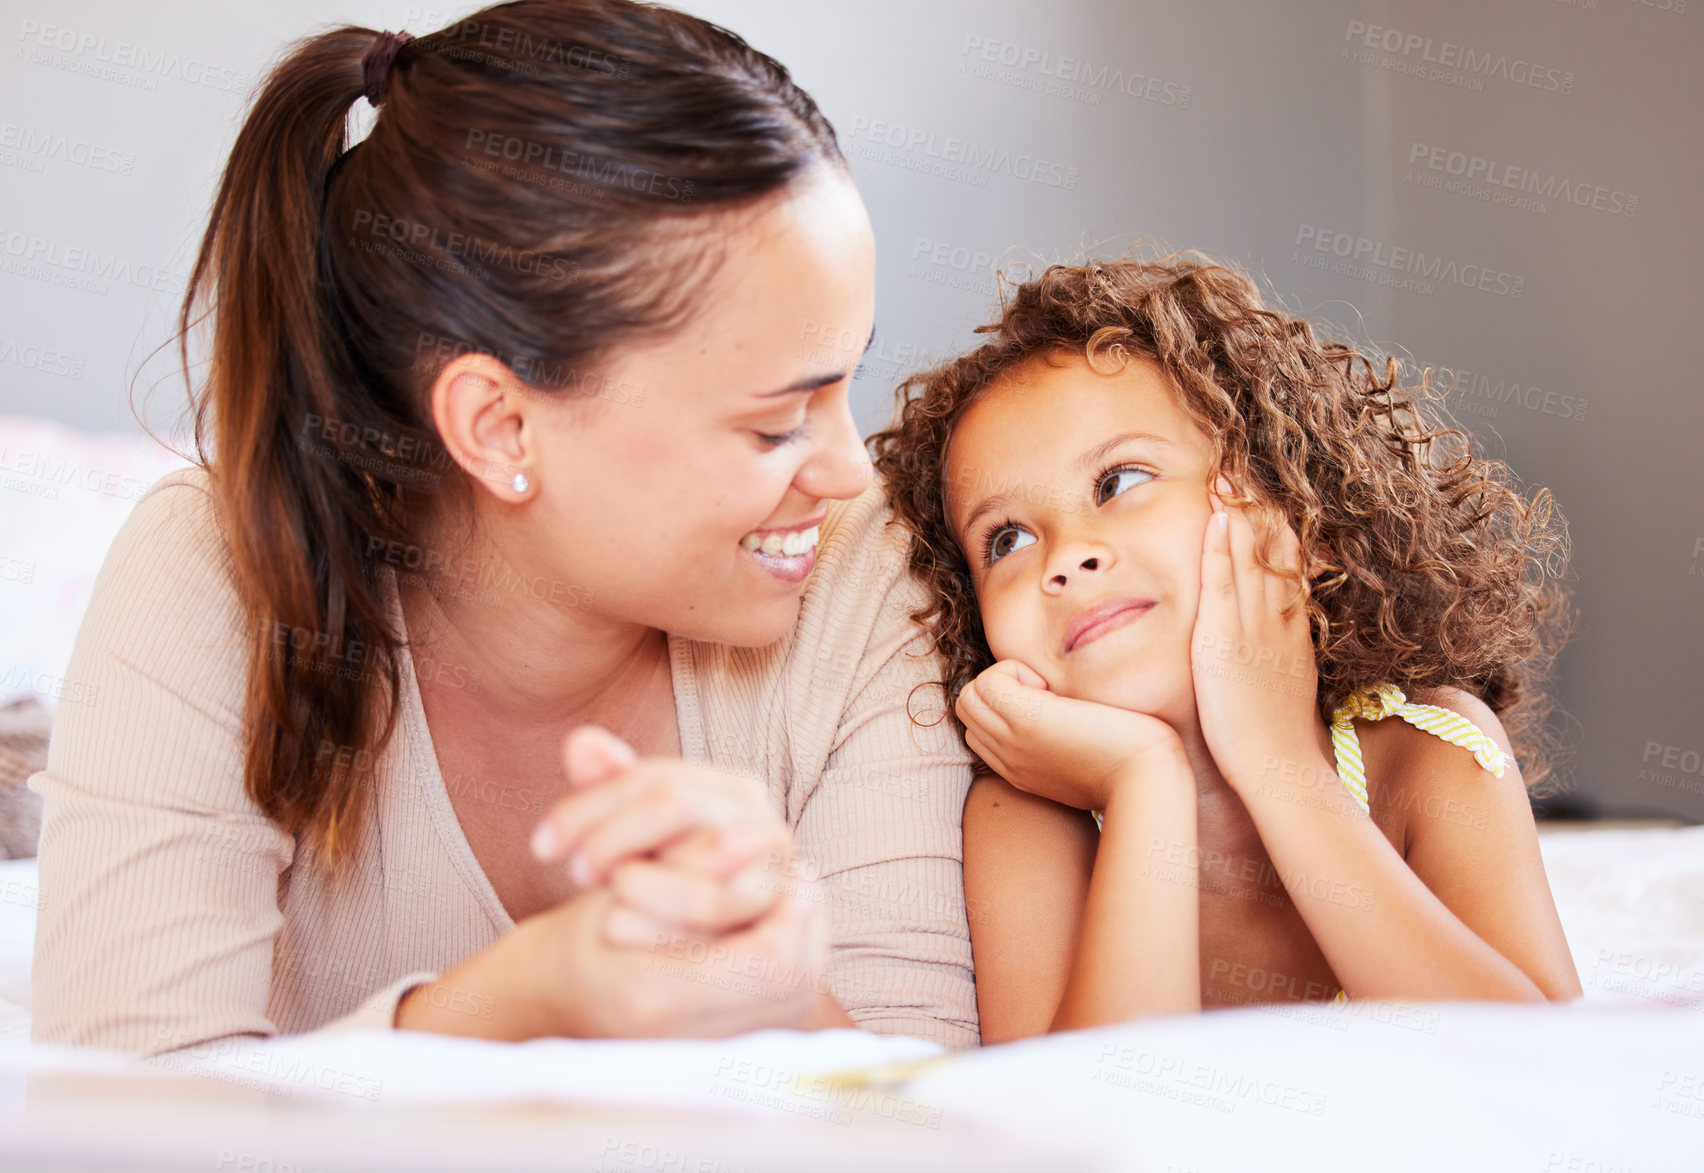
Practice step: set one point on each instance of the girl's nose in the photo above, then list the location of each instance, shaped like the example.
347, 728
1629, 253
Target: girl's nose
1077, 560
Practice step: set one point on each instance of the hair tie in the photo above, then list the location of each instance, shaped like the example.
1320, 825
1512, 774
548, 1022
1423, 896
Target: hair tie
375, 66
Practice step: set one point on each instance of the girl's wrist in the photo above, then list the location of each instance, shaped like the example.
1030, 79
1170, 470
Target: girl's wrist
1155, 765
1283, 777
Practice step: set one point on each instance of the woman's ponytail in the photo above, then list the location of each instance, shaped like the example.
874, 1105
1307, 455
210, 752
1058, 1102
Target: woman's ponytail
296, 524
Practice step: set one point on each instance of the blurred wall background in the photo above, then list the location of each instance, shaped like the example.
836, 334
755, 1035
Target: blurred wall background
1507, 189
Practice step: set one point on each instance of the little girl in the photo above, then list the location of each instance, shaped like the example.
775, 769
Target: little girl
1188, 563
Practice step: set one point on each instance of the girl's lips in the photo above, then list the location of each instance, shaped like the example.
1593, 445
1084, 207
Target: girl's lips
1099, 620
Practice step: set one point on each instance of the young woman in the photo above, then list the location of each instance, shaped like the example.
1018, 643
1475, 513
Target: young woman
527, 415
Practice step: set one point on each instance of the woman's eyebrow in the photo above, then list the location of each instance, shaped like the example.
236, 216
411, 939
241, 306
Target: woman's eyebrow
808, 383
1081, 464
812, 382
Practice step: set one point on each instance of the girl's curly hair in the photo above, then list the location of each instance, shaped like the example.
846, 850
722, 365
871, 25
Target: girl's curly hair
1425, 564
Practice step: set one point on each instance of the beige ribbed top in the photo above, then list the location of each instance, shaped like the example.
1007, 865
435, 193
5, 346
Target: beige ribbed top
174, 912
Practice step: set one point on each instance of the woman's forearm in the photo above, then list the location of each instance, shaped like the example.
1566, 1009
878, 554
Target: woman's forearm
480, 998
1139, 952
830, 1015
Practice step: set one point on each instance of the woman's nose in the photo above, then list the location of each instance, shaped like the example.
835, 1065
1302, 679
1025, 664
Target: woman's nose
841, 467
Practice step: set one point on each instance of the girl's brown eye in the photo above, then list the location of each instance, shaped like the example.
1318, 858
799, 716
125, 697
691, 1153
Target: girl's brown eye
1001, 541
1114, 474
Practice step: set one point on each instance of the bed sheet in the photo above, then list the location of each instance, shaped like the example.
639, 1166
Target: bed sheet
1612, 1082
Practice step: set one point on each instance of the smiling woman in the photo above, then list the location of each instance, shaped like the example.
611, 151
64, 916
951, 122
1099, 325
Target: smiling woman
526, 414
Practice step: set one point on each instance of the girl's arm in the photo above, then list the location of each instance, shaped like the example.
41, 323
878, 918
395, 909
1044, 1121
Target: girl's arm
1140, 950
1381, 923
1069, 929
1027, 868
1386, 933
1472, 841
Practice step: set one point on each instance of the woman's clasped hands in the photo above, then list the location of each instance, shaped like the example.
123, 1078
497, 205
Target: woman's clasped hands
693, 916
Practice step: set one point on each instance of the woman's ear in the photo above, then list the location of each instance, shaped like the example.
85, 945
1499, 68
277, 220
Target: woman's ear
481, 411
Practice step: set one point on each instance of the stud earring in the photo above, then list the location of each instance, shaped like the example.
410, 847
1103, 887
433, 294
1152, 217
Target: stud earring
521, 483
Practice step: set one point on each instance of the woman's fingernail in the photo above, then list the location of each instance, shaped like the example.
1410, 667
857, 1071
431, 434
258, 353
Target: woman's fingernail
580, 869
1224, 520
545, 841
1223, 485
622, 752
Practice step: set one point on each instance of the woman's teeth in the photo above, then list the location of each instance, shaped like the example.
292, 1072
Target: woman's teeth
776, 545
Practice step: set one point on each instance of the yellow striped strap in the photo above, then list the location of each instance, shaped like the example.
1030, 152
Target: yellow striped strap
1385, 700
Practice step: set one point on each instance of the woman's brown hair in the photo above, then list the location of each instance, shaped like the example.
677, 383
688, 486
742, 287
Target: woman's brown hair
1426, 564
539, 185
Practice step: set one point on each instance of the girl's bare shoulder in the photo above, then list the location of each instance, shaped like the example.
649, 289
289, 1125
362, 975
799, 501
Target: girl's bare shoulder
1413, 774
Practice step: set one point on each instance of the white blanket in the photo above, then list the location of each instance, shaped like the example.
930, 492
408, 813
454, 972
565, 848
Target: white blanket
1612, 1083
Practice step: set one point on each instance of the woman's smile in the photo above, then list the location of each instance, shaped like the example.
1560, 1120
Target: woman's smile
788, 554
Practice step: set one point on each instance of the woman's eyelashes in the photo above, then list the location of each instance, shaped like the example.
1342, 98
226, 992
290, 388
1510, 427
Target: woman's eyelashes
995, 545
787, 438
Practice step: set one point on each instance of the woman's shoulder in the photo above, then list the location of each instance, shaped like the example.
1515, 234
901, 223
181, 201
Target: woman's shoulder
174, 518
861, 588
164, 594
861, 544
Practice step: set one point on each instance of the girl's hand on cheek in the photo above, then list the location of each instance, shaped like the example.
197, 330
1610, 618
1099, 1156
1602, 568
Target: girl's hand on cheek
1073, 752
1254, 669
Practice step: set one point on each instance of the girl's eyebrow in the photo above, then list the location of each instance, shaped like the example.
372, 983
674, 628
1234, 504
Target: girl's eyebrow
1081, 464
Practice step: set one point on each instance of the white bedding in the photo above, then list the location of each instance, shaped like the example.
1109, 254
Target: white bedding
1615, 1082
